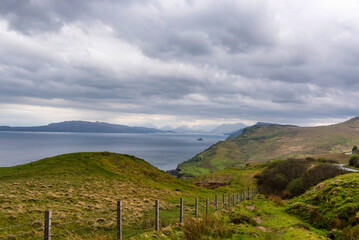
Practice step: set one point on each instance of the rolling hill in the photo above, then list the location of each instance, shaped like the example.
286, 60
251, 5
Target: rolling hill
331, 204
81, 189
261, 143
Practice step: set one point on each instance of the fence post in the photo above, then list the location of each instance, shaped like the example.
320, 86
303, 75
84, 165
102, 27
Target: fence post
181, 210
157, 206
248, 194
229, 200
47, 226
119, 220
196, 208
216, 202
207, 205
223, 201
237, 198
233, 200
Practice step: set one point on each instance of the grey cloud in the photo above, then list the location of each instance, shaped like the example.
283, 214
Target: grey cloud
243, 69
227, 25
30, 17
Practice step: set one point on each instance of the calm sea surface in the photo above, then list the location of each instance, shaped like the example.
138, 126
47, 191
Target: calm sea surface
164, 151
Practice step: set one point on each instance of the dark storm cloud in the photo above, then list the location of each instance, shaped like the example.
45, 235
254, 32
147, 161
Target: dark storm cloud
200, 59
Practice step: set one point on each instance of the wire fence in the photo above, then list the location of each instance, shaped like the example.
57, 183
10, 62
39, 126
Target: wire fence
110, 223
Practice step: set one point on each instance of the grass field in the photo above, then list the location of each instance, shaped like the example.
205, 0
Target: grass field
85, 182
82, 190
80, 183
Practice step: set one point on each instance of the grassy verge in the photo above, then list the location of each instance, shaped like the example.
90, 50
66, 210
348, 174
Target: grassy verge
259, 218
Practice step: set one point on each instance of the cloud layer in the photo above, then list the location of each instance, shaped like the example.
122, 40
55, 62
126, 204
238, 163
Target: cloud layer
178, 62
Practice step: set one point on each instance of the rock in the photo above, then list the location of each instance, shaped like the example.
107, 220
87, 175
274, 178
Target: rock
331, 235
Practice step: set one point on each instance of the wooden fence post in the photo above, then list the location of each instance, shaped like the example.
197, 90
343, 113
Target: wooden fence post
248, 194
223, 201
207, 205
237, 198
196, 208
119, 220
47, 225
157, 212
216, 202
181, 210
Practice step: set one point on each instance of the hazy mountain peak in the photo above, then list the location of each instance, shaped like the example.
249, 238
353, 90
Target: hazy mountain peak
228, 128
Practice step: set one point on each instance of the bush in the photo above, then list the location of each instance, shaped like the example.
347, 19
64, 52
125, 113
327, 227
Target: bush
292, 177
354, 161
318, 174
296, 187
275, 178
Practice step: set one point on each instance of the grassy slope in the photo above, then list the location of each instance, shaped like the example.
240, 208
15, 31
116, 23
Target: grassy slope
254, 219
263, 143
228, 179
81, 182
332, 204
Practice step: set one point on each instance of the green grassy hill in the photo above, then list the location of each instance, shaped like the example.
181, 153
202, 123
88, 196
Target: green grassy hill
263, 143
81, 189
84, 182
333, 205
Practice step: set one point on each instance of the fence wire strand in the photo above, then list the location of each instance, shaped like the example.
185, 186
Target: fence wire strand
23, 224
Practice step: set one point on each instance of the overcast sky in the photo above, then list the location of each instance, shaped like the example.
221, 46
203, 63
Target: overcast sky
178, 62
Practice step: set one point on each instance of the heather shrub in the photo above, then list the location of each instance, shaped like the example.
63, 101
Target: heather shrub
354, 161
293, 177
275, 178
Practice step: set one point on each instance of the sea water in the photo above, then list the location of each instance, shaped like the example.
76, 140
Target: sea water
164, 151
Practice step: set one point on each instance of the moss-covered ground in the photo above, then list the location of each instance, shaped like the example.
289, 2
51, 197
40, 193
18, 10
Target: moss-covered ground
332, 205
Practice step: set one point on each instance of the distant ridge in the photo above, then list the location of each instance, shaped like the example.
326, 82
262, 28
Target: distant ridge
266, 141
83, 126
240, 131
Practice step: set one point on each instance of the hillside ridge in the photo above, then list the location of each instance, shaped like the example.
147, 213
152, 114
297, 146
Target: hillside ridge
269, 142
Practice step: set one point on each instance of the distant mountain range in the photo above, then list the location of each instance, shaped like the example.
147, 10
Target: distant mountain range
103, 127
226, 129
84, 126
